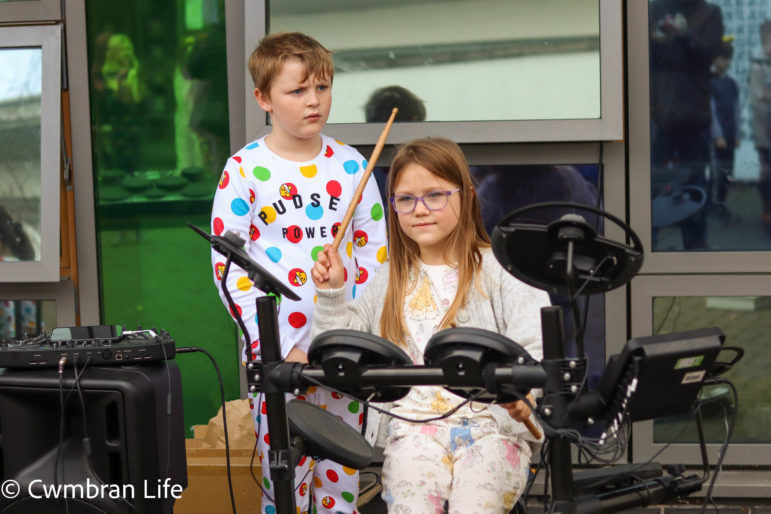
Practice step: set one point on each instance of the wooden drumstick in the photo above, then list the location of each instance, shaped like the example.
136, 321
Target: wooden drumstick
360, 189
532, 428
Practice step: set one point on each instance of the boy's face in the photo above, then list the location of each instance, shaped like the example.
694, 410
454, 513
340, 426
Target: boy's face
298, 108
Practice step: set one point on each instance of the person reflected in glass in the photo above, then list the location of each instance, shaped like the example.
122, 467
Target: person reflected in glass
504, 189
685, 37
378, 109
15, 245
119, 93
204, 62
760, 105
383, 100
725, 123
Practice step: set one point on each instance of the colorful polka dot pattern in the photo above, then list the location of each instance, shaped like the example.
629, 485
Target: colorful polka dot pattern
286, 212
333, 487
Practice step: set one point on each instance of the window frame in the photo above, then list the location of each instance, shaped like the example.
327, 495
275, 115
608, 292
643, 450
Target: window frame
48, 38
30, 10
608, 127
644, 289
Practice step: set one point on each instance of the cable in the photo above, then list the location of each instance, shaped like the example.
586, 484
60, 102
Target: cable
447, 414
190, 349
62, 362
232, 306
168, 404
87, 440
666, 315
726, 441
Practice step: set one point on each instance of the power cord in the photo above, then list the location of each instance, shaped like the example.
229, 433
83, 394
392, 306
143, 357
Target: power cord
77, 374
191, 349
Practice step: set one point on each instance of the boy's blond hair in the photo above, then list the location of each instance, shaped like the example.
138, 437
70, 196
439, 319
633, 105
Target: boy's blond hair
274, 49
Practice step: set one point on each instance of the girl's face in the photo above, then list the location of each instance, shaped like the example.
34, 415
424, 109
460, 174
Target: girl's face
429, 229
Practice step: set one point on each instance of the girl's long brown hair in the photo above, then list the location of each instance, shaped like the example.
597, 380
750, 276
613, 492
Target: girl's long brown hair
445, 159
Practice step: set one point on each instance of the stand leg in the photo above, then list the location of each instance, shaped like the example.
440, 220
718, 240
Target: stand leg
560, 461
281, 466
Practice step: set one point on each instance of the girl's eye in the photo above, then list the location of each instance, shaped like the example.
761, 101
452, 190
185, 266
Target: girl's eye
404, 199
435, 195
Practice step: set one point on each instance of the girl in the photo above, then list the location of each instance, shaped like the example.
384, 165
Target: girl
441, 274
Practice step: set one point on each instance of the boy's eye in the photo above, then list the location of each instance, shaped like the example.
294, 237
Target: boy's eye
323, 87
297, 91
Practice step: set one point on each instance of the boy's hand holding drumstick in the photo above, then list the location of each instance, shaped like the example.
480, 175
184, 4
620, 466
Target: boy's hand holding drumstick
328, 272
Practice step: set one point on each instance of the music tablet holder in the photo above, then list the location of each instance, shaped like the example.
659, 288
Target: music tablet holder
653, 377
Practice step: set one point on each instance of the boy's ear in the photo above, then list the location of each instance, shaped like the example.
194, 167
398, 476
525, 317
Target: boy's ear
263, 100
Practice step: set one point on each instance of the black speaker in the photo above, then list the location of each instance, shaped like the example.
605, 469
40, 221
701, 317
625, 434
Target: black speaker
123, 453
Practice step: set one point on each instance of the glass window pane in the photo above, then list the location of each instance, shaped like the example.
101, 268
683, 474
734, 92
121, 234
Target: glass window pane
710, 93
745, 321
160, 138
504, 50
20, 170
21, 318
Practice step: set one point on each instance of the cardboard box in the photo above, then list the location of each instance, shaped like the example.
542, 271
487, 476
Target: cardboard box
207, 490
207, 484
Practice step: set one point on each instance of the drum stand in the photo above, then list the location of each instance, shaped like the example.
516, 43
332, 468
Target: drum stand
467, 359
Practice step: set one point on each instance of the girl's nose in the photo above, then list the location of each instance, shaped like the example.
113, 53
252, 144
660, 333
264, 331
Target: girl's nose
420, 207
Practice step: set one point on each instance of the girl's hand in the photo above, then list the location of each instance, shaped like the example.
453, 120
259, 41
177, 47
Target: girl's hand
519, 410
328, 272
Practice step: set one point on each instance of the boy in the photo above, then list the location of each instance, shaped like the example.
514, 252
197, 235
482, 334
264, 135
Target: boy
285, 194
760, 104
725, 123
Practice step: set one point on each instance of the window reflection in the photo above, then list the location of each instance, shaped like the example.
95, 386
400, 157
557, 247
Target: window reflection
20, 89
158, 102
468, 60
745, 320
20, 318
710, 173
158, 86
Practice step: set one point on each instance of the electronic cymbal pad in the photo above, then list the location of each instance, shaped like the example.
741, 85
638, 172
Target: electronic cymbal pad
559, 247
